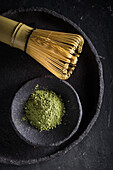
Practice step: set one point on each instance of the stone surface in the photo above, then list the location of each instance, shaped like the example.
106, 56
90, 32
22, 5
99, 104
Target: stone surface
96, 150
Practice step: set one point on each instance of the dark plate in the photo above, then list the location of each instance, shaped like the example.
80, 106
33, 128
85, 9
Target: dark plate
70, 120
16, 68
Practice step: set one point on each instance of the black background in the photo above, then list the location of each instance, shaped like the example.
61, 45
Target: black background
95, 18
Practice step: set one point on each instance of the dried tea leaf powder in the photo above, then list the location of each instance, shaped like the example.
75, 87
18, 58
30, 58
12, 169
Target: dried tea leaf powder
44, 110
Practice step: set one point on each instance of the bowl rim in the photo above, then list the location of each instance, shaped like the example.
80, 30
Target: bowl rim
101, 88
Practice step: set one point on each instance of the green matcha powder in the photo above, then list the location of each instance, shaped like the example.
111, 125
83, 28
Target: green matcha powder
44, 110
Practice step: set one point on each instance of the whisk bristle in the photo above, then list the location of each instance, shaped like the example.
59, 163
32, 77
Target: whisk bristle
56, 51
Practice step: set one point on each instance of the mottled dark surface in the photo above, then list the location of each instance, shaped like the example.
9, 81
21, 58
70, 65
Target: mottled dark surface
96, 150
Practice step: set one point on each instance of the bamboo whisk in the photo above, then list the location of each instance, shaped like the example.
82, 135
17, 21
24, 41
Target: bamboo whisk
56, 51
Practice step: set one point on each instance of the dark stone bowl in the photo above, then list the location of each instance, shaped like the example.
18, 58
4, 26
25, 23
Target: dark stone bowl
16, 68
70, 120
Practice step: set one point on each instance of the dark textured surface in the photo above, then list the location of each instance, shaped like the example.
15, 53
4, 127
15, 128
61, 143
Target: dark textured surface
95, 18
70, 120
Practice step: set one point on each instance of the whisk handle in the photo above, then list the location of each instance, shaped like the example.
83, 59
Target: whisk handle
13, 33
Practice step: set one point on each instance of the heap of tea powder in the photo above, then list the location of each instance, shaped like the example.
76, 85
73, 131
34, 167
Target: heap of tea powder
44, 109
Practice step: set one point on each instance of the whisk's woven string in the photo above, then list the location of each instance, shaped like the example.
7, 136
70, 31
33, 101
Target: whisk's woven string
15, 33
28, 38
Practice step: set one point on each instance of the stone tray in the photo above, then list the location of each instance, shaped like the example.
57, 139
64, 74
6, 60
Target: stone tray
16, 68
